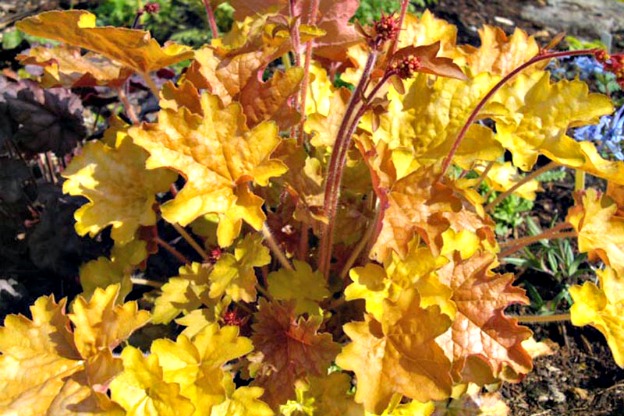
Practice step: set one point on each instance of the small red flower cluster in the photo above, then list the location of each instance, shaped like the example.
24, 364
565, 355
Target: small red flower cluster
406, 67
232, 318
385, 29
215, 254
151, 7
613, 64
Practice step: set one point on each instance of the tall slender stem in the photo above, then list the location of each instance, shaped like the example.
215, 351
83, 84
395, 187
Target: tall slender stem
475, 112
336, 165
214, 30
489, 207
306, 72
395, 42
146, 282
541, 319
150, 83
484, 174
364, 241
191, 241
172, 250
275, 248
121, 92
295, 32
523, 242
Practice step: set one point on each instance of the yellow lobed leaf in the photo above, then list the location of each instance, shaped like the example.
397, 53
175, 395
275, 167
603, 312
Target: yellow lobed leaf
600, 230
183, 293
602, 307
233, 67
502, 176
500, 54
141, 390
132, 48
36, 356
331, 396
243, 402
100, 324
427, 29
319, 91
120, 190
373, 285
195, 321
184, 95
197, 365
103, 271
65, 66
418, 270
412, 408
439, 110
325, 127
218, 155
306, 287
420, 206
46, 367
76, 398
398, 355
270, 100
537, 115
234, 275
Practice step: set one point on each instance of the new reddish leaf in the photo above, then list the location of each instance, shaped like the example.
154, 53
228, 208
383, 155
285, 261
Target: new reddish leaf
292, 348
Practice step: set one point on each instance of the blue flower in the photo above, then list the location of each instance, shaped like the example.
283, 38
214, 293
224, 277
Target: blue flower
609, 132
588, 66
584, 66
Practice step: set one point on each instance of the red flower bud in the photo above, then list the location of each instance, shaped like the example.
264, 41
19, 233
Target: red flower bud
152, 7
406, 67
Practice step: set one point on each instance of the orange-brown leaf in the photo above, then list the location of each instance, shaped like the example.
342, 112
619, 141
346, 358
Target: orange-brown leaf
132, 48
480, 329
430, 63
292, 348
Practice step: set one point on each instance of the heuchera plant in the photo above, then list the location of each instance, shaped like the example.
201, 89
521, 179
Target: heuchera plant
345, 263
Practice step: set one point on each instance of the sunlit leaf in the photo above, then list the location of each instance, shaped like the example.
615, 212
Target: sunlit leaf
302, 285
101, 324
600, 230
498, 53
103, 271
538, 113
196, 365
49, 367
243, 402
398, 355
121, 191
602, 307
65, 66
218, 155
182, 294
141, 390
130, 47
235, 275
